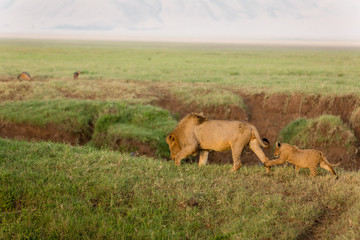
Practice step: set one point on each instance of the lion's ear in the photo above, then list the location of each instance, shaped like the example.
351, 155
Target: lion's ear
278, 144
200, 116
170, 138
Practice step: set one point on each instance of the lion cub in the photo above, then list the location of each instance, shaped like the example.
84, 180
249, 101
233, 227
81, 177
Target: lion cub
301, 158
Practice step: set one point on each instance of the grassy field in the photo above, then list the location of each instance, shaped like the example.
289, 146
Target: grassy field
253, 68
58, 191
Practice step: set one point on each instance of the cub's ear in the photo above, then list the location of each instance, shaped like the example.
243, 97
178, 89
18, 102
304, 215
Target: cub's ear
278, 144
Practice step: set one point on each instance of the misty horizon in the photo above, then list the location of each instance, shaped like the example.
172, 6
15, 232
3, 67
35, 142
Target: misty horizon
202, 20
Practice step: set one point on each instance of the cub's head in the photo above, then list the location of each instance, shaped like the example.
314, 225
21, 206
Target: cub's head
277, 151
173, 146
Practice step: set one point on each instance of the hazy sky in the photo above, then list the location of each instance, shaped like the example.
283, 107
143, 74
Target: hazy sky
327, 20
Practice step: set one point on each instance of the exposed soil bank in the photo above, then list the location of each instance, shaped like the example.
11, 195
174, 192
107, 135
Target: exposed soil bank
29, 132
269, 113
47, 133
272, 113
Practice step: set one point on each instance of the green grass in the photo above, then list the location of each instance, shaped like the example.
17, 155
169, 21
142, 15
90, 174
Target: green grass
326, 129
206, 96
323, 133
144, 123
271, 69
68, 115
103, 121
56, 191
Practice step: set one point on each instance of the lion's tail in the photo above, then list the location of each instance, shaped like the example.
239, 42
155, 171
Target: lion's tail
329, 163
261, 141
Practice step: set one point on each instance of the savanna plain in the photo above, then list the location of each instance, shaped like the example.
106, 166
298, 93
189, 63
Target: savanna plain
87, 157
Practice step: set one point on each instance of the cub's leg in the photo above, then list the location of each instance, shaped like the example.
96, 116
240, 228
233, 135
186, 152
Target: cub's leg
187, 151
327, 167
278, 161
297, 169
256, 148
236, 153
203, 157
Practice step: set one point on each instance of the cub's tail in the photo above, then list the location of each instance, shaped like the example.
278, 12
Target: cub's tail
329, 163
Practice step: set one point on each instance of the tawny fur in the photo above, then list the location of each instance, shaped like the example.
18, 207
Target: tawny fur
196, 134
24, 76
301, 158
76, 75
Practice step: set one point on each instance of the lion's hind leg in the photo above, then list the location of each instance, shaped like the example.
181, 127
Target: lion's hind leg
236, 154
256, 148
327, 167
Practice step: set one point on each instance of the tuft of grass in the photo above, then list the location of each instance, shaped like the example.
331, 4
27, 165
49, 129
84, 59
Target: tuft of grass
206, 96
106, 121
324, 129
292, 130
143, 123
56, 191
68, 115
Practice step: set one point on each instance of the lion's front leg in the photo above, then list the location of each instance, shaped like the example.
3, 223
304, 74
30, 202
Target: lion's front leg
187, 151
203, 157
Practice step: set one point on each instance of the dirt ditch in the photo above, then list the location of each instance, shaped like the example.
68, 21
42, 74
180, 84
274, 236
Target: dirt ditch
50, 132
269, 113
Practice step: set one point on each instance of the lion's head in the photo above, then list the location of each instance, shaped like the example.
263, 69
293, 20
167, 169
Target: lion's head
180, 134
173, 146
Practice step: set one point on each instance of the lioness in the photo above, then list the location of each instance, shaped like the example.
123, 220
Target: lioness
301, 158
196, 134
